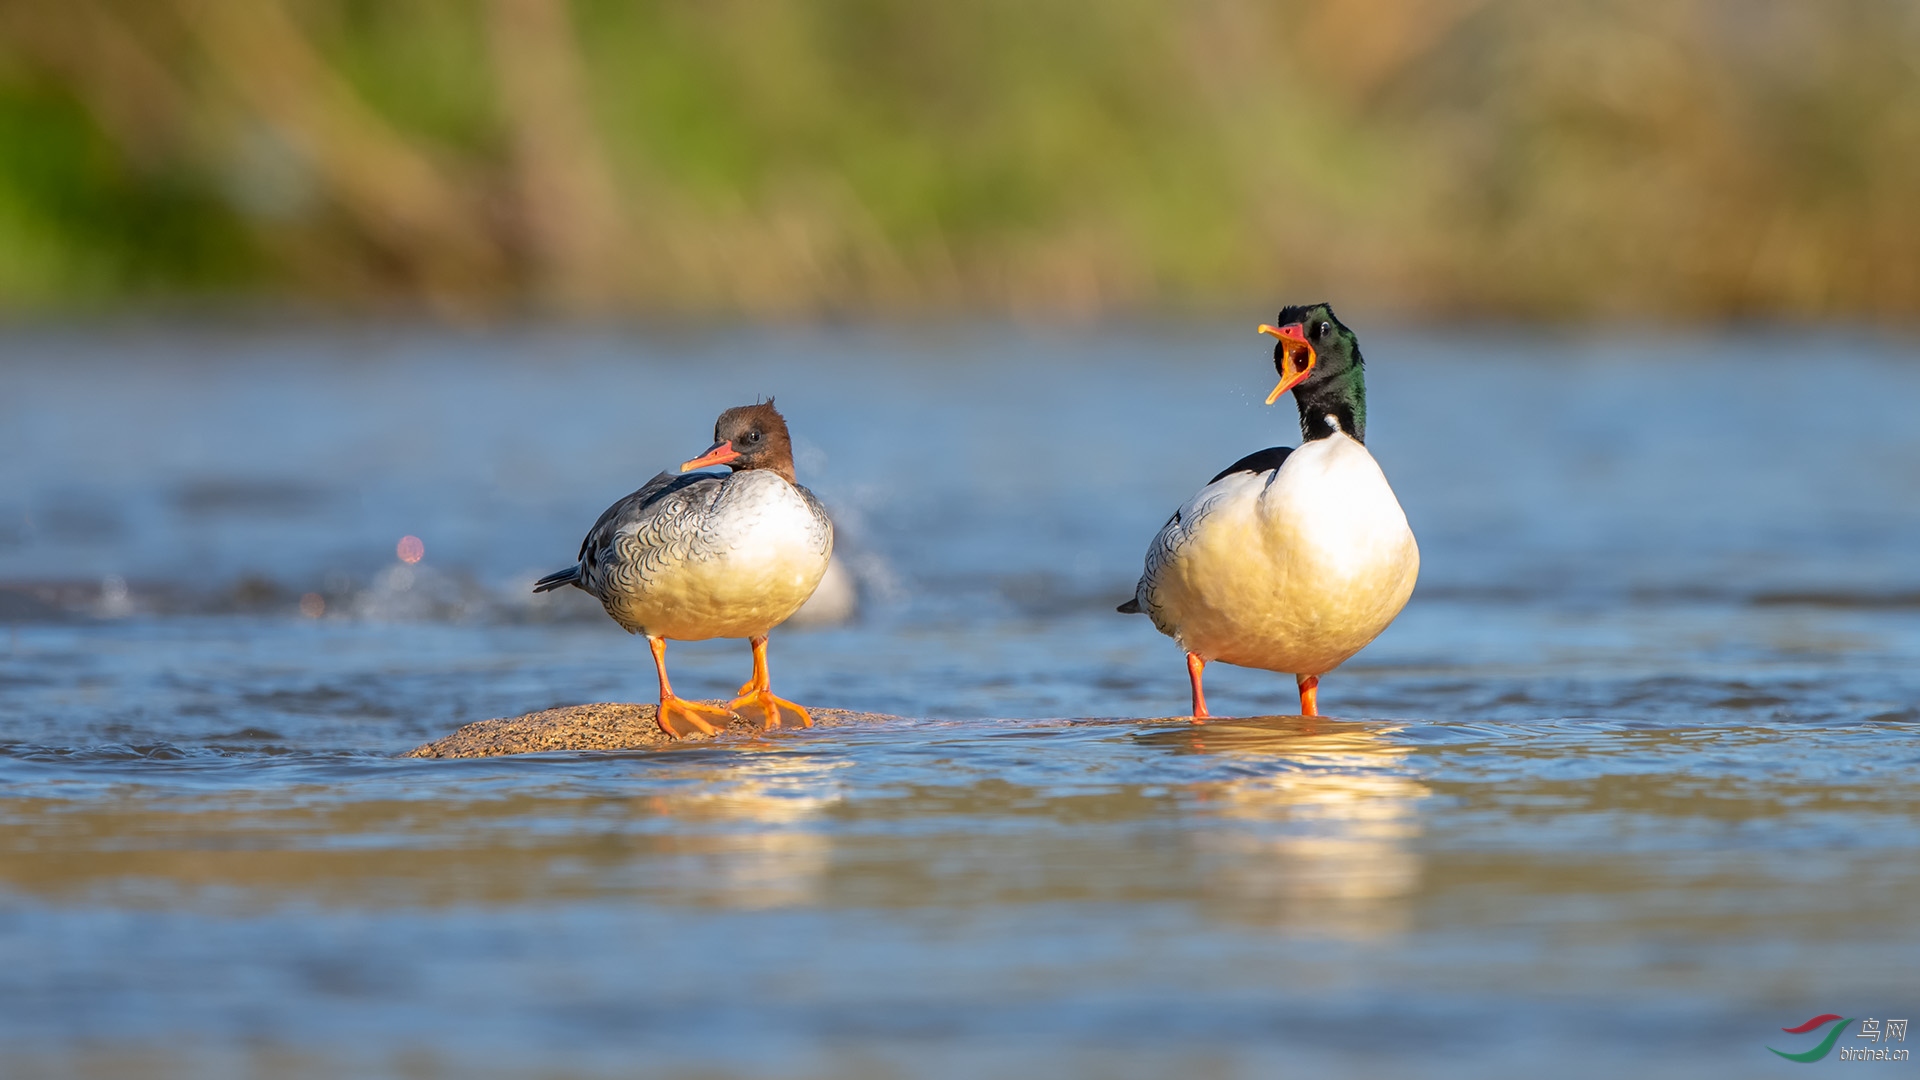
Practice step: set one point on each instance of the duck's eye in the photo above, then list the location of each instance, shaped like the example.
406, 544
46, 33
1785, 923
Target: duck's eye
753, 436
1323, 330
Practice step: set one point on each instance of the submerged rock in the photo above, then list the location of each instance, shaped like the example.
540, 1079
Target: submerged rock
601, 726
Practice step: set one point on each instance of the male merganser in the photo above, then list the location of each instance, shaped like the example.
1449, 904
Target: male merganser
711, 555
1289, 560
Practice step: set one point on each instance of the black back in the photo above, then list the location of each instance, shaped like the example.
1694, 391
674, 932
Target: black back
1257, 462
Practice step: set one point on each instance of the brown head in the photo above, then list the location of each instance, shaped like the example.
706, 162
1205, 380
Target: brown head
749, 437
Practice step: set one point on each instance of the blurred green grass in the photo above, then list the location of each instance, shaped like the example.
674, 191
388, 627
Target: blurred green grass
776, 158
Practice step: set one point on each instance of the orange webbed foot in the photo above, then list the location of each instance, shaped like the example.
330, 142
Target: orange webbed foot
695, 712
770, 706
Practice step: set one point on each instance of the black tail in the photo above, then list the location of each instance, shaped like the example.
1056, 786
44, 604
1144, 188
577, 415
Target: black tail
569, 576
1131, 607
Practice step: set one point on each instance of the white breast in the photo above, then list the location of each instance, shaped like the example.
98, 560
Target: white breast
1291, 570
759, 554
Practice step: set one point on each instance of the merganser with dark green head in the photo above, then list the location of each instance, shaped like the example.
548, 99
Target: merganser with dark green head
1289, 560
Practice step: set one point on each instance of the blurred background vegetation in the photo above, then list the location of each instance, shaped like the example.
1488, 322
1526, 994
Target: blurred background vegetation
804, 158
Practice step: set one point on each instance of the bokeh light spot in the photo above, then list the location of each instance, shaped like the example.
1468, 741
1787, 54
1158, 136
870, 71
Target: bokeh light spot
410, 549
313, 605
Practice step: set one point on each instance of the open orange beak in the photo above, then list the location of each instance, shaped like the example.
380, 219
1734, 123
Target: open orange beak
1296, 360
718, 454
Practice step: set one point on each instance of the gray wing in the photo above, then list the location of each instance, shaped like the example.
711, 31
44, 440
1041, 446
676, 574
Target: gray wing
1178, 531
1173, 536
663, 484
659, 523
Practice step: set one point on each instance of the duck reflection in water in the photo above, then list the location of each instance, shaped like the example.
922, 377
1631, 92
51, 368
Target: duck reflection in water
1312, 825
745, 833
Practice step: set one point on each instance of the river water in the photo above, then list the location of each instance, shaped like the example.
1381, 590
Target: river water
1631, 785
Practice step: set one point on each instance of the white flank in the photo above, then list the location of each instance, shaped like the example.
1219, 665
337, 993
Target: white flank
1293, 570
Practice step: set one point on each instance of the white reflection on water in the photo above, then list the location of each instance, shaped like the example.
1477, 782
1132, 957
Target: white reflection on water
1325, 843
748, 836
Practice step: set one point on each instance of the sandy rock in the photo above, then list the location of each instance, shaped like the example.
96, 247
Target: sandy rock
601, 726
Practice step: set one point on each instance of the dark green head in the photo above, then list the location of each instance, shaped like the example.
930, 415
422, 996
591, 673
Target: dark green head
1319, 360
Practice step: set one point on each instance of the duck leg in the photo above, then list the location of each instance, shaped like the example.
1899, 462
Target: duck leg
1309, 694
1195, 665
759, 690
671, 703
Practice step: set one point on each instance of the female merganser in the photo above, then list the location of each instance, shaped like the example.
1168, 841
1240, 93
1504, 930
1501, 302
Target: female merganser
711, 555
1289, 560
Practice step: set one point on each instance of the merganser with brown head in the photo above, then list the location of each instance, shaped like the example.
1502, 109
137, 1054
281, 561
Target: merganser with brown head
711, 555
1289, 560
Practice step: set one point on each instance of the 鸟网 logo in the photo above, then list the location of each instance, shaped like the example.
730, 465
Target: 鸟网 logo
1825, 1045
